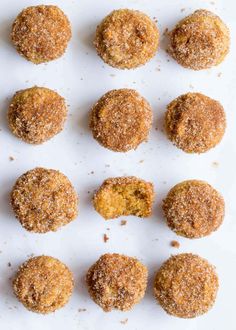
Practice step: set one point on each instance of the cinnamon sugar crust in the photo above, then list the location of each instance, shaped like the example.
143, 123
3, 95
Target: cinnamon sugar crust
43, 200
121, 120
41, 33
43, 284
37, 114
194, 209
195, 123
186, 285
126, 39
116, 281
200, 41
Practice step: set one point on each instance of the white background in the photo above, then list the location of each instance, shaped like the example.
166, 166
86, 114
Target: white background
81, 77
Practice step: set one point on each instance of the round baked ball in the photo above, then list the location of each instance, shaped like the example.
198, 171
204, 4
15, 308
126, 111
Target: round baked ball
41, 33
195, 123
116, 281
121, 120
186, 285
36, 114
194, 209
43, 284
44, 200
126, 39
200, 41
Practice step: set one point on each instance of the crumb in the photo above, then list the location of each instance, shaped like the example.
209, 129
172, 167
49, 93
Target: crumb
165, 33
175, 244
124, 321
191, 86
108, 228
82, 310
11, 158
182, 10
105, 238
88, 191
141, 161
9, 264
112, 75
123, 222
219, 74
107, 165
215, 164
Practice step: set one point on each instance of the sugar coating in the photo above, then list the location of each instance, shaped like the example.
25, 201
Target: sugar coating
121, 120
37, 114
194, 209
186, 285
123, 196
43, 200
195, 123
41, 33
200, 41
116, 281
126, 39
43, 284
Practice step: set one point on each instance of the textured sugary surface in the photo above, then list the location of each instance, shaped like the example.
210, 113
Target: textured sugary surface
195, 123
193, 209
44, 200
36, 114
186, 285
126, 39
81, 77
124, 196
117, 282
43, 284
121, 120
41, 33
200, 40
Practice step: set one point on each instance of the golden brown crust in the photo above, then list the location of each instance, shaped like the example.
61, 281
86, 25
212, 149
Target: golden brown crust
36, 114
44, 200
123, 196
116, 281
195, 123
126, 39
121, 120
186, 285
194, 209
43, 284
41, 33
200, 41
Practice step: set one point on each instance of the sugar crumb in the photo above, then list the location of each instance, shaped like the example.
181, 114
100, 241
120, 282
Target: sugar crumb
82, 310
105, 238
175, 244
215, 164
124, 321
